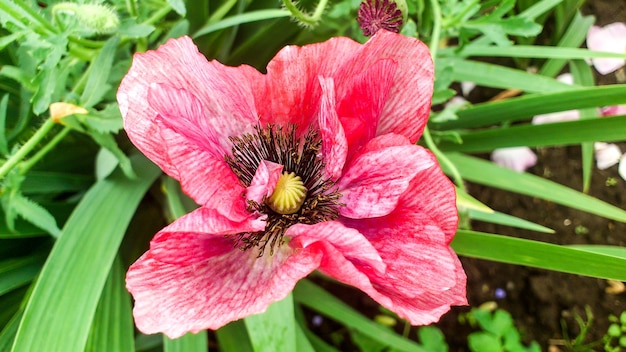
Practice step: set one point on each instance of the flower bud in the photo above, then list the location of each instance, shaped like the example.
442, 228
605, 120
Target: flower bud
97, 18
374, 15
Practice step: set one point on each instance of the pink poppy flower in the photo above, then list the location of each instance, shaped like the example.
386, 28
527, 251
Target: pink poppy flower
310, 166
610, 38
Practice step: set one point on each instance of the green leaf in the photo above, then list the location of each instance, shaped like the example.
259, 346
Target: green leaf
549, 134
314, 297
130, 28
535, 51
273, 330
615, 251
35, 214
432, 339
247, 17
4, 146
99, 70
43, 182
302, 342
107, 141
234, 338
525, 107
66, 294
187, 343
7, 336
17, 272
112, 328
108, 120
490, 75
487, 173
539, 8
466, 201
483, 342
573, 37
538, 254
178, 6
507, 220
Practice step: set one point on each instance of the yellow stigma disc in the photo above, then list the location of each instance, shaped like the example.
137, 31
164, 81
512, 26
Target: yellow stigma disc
288, 195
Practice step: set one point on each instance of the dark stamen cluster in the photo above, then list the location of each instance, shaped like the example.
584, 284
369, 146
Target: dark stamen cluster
298, 155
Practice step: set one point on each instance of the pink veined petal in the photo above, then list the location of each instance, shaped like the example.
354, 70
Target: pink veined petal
212, 291
334, 144
363, 101
431, 192
428, 308
610, 38
375, 179
203, 176
415, 250
347, 241
407, 107
200, 233
183, 113
516, 158
264, 181
424, 276
223, 92
292, 80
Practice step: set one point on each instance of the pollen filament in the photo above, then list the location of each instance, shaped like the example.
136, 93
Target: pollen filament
289, 194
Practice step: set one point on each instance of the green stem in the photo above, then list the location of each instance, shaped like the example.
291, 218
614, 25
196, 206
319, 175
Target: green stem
158, 16
35, 16
452, 21
26, 148
28, 164
436, 35
94, 44
434, 44
131, 7
443, 159
301, 16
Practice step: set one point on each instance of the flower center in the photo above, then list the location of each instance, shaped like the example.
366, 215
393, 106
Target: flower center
302, 194
288, 195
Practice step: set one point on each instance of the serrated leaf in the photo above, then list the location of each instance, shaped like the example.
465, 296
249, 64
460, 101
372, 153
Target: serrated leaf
35, 214
108, 120
50, 51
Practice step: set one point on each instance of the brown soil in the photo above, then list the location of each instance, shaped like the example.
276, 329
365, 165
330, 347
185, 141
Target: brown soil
539, 300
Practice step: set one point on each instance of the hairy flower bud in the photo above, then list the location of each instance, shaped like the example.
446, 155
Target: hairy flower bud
97, 18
